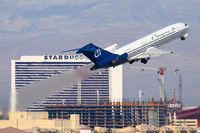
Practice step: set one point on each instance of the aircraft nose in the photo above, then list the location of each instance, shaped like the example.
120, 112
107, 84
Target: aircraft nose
186, 25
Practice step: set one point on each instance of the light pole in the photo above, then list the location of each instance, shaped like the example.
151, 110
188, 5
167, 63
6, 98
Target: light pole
63, 102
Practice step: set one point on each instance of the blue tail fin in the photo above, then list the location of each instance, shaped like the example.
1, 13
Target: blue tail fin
94, 53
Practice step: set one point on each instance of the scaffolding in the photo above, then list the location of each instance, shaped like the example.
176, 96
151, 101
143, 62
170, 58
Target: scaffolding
113, 115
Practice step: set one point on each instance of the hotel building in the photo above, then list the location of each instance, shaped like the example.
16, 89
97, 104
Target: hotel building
103, 86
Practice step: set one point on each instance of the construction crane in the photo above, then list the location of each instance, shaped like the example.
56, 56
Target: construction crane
180, 85
175, 105
160, 71
173, 108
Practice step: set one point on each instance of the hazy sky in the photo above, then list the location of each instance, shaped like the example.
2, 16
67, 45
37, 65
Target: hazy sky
38, 27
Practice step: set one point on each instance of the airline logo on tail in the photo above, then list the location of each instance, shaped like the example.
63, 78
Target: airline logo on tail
97, 53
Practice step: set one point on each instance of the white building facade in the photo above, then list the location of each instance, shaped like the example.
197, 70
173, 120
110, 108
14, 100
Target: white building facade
103, 86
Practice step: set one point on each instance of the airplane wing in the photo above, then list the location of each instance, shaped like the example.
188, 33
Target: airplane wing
152, 52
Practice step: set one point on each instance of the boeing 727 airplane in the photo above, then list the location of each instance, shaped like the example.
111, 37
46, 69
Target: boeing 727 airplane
139, 50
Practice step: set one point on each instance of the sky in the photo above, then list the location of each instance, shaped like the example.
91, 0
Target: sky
39, 27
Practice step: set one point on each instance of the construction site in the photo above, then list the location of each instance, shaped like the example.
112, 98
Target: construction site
120, 114
126, 113
114, 115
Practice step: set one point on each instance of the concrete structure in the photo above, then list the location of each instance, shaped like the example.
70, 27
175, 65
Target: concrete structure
12, 130
190, 113
30, 120
123, 130
166, 130
180, 129
198, 130
100, 130
113, 115
143, 128
185, 122
100, 87
86, 130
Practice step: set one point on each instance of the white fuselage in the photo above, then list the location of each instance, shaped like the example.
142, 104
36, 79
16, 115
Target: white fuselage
155, 39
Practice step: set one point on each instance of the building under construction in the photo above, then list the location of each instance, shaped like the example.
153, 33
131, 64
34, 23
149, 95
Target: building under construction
113, 115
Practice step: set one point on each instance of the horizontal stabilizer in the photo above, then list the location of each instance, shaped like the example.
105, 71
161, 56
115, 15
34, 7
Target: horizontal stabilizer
112, 48
70, 50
